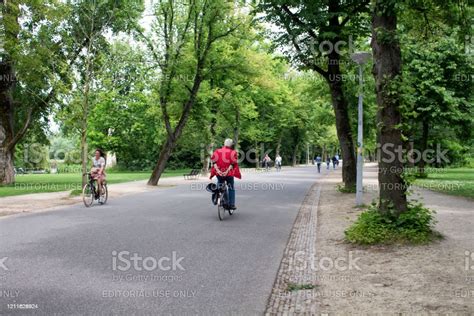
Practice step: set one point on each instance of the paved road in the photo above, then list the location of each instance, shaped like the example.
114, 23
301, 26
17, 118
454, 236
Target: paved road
69, 261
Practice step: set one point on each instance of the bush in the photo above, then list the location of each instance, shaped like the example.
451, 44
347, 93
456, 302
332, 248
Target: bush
413, 226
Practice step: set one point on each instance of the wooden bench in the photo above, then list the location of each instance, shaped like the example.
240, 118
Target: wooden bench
194, 174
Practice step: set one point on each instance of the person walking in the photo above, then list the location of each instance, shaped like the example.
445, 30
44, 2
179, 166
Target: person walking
318, 161
278, 162
334, 161
328, 162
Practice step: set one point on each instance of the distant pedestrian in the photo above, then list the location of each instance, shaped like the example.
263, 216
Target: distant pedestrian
334, 160
337, 160
328, 162
278, 162
318, 161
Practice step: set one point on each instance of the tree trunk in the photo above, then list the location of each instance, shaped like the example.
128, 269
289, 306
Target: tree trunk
295, 155
387, 70
84, 155
165, 154
210, 146
7, 173
339, 102
278, 148
344, 133
237, 129
85, 116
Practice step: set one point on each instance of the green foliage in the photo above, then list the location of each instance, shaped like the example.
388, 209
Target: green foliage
291, 287
414, 226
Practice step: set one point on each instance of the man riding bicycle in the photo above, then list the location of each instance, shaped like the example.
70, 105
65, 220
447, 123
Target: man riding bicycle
225, 167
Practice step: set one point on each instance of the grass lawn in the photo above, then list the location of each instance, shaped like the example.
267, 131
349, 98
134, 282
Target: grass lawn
39, 183
453, 181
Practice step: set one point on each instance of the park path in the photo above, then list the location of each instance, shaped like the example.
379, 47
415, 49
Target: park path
38, 202
63, 260
436, 278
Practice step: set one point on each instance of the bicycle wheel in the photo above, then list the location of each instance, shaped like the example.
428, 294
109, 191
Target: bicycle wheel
220, 208
88, 195
105, 195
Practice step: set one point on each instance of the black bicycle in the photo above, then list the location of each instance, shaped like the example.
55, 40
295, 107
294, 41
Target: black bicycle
223, 201
90, 192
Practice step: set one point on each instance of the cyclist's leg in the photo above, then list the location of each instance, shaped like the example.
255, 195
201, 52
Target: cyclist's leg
99, 185
220, 181
230, 183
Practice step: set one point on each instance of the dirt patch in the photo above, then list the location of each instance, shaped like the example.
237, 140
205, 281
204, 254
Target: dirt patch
435, 278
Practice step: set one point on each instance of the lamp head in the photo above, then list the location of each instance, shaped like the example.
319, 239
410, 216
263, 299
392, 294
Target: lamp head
361, 57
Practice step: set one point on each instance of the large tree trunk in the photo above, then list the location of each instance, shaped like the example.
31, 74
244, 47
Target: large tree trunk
7, 175
339, 102
344, 133
10, 27
387, 71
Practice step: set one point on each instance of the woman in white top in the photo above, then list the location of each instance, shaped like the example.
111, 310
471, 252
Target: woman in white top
98, 169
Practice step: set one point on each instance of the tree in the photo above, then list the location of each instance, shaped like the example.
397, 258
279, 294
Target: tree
86, 34
306, 25
187, 34
28, 73
387, 74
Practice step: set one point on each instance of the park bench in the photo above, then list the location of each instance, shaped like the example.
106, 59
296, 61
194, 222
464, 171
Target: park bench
193, 174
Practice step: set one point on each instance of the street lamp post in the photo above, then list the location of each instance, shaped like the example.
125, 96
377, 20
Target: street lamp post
360, 58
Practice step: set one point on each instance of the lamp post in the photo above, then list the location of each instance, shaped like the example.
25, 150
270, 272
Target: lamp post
360, 58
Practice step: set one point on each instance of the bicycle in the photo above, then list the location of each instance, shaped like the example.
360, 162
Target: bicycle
90, 193
223, 201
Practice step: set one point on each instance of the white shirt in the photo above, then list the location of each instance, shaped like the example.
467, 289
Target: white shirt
98, 163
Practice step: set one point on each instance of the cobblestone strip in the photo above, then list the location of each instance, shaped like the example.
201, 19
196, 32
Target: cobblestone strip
295, 267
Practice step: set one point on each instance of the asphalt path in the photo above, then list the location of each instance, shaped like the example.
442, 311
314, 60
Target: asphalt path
154, 253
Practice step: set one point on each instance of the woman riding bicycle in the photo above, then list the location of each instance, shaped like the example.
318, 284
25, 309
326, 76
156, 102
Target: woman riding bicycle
98, 169
225, 167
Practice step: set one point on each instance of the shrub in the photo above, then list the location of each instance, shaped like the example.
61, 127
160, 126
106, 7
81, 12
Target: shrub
413, 226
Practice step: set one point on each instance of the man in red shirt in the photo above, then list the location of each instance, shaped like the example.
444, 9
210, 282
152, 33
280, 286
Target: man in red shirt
225, 167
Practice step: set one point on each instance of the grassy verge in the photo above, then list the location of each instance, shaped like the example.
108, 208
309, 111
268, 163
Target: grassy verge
40, 183
453, 181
